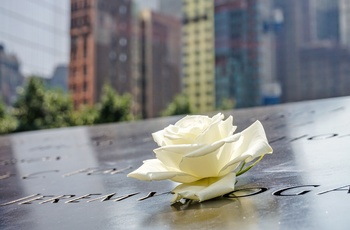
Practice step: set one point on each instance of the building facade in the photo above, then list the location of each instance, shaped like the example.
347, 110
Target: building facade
325, 71
198, 54
289, 40
10, 77
244, 50
59, 78
101, 46
171, 7
312, 56
159, 60
344, 22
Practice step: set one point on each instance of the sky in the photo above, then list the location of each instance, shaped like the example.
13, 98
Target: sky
37, 32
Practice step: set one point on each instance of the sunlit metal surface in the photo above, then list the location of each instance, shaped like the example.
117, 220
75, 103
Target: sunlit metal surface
75, 178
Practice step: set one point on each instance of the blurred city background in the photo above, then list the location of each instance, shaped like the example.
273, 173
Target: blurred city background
84, 62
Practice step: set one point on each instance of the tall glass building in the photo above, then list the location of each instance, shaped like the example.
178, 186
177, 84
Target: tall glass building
244, 55
198, 54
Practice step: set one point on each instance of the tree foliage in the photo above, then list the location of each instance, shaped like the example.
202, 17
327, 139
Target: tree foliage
180, 105
113, 107
86, 115
38, 108
227, 104
7, 123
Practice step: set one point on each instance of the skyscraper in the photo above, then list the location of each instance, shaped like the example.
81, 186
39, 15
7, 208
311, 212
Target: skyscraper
326, 19
10, 76
325, 70
198, 54
344, 22
292, 36
244, 50
311, 55
171, 7
101, 47
59, 77
159, 61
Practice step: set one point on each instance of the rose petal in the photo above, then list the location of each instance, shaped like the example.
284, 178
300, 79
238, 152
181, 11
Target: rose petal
158, 137
226, 127
172, 155
205, 189
197, 160
155, 170
253, 144
189, 120
206, 149
211, 133
207, 162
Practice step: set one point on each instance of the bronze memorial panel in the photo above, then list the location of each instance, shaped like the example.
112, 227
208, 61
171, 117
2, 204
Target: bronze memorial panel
75, 178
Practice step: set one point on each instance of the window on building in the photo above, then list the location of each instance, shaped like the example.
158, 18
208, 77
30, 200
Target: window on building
73, 71
74, 45
85, 44
123, 9
85, 86
85, 70
123, 41
123, 57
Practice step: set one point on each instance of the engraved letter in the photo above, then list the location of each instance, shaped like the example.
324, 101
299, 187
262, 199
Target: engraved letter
87, 196
148, 196
57, 198
103, 198
336, 189
281, 191
21, 199
322, 137
246, 192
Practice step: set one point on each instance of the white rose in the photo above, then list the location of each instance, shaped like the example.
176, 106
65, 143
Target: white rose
202, 153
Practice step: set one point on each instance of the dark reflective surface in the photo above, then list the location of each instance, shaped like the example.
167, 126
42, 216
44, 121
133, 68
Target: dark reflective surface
76, 178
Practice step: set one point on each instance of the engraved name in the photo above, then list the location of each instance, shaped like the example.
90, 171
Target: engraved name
298, 190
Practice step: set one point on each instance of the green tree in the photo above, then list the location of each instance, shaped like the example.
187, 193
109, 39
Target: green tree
38, 108
227, 103
180, 105
113, 107
86, 115
8, 124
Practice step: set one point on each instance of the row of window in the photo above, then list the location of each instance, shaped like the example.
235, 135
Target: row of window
73, 71
197, 84
198, 30
114, 7
74, 45
77, 5
76, 88
80, 21
198, 52
208, 104
197, 18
